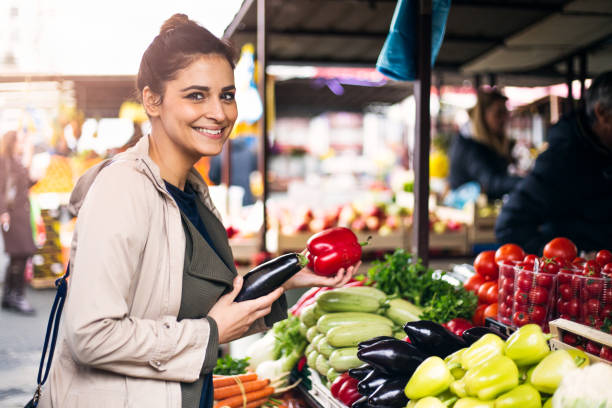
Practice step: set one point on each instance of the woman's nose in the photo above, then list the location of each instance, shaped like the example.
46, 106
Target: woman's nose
214, 110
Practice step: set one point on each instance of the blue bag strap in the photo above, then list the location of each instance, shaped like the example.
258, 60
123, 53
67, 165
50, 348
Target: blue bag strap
52, 330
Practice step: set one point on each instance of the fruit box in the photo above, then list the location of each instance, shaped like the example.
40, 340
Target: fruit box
559, 327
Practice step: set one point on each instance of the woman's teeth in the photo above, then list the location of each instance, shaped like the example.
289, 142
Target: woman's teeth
210, 132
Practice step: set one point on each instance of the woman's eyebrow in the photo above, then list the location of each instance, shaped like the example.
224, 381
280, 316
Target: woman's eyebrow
207, 89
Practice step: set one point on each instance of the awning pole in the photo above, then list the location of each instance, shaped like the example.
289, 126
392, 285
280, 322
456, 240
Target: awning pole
263, 123
583, 75
422, 89
569, 79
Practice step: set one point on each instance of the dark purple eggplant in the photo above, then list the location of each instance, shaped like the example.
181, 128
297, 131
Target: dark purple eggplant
370, 342
390, 394
433, 339
472, 335
361, 402
270, 275
393, 357
371, 382
359, 373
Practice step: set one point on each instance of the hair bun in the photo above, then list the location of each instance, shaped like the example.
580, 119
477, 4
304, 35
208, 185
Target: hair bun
175, 21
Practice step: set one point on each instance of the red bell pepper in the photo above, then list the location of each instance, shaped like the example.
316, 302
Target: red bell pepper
338, 382
348, 392
458, 325
333, 249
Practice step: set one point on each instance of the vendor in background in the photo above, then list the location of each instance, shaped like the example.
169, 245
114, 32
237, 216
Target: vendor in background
569, 191
15, 182
481, 151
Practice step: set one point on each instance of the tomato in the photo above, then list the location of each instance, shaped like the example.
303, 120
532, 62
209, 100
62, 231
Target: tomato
606, 298
603, 257
485, 265
565, 291
509, 301
530, 259
520, 319
562, 248
478, 318
591, 268
578, 261
606, 312
473, 283
593, 348
550, 265
524, 283
544, 280
521, 298
508, 285
509, 252
538, 295
606, 353
505, 310
607, 270
592, 306
562, 306
570, 338
487, 293
594, 287
573, 309
564, 277
491, 311
538, 314
506, 271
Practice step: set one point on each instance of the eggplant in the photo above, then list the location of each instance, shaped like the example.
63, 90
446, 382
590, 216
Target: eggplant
433, 339
371, 382
270, 275
373, 341
359, 373
361, 402
395, 357
390, 394
472, 335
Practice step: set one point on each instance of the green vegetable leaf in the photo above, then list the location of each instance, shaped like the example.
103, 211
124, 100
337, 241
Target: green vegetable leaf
287, 337
231, 366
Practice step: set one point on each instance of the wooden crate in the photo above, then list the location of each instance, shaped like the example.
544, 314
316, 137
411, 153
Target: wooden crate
244, 249
456, 241
559, 326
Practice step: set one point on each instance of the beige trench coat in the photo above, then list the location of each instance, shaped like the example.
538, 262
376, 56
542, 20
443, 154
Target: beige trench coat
120, 343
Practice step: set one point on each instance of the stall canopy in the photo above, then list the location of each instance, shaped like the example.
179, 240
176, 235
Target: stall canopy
523, 42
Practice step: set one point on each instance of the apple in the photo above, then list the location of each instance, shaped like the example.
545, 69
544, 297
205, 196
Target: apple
372, 222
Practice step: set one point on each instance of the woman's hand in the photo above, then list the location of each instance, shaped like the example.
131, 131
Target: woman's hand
234, 318
307, 279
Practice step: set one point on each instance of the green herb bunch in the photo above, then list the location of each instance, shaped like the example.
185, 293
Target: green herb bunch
231, 366
288, 337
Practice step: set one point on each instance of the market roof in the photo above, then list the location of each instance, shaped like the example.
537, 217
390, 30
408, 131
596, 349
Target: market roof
531, 38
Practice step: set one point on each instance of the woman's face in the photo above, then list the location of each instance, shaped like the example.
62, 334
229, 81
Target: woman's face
198, 110
496, 116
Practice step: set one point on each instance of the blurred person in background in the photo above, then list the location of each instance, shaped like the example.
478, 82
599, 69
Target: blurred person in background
244, 162
569, 191
481, 151
15, 182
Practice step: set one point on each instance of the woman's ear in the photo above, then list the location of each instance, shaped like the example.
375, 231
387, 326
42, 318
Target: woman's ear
151, 101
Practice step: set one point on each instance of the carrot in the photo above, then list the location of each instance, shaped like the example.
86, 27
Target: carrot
238, 401
226, 380
257, 403
229, 391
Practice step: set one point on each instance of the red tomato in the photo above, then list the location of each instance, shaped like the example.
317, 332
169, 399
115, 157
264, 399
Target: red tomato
578, 261
562, 306
606, 312
594, 287
565, 291
538, 295
486, 292
564, 277
593, 307
478, 318
505, 310
607, 296
491, 311
524, 283
603, 257
562, 248
508, 301
544, 280
538, 314
607, 270
485, 265
550, 265
530, 259
606, 353
507, 271
570, 338
593, 348
521, 298
508, 285
474, 282
520, 319
591, 268
573, 309
458, 325
509, 252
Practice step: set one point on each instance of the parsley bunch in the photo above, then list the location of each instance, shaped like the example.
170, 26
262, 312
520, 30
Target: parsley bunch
231, 366
287, 337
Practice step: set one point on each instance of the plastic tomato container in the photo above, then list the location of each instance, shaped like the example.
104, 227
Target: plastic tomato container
534, 297
505, 283
595, 300
569, 285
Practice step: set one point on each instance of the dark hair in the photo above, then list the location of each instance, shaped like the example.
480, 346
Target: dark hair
600, 91
9, 141
486, 98
179, 42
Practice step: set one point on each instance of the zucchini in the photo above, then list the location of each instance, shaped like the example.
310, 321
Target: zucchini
311, 333
399, 334
366, 291
344, 359
308, 349
303, 329
311, 359
401, 311
331, 320
318, 312
332, 375
321, 365
325, 348
308, 316
353, 334
343, 301
316, 340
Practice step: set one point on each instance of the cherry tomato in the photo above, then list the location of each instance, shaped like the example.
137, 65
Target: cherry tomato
544, 280
487, 293
606, 353
485, 265
520, 319
578, 261
509, 252
575, 284
505, 310
506, 270
606, 312
538, 314
509, 300
570, 338
562, 248
594, 287
524, 283
538, 295
591, 268
565, 291
606, 298
530, 259
607, 270
478, 318
474, 282
562, 306
521, 298
508, 285
550, 265
573, 309
593, 307
564, 277
603, 257
593, 348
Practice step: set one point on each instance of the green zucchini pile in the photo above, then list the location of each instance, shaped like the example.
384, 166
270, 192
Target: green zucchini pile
342, 318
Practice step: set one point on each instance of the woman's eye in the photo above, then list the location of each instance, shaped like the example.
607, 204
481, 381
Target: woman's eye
196, 96
228, 96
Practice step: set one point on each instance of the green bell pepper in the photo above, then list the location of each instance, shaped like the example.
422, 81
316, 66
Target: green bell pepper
523, 396
473, 403
488, 346
429, 379
580, 357
527, 346
547, 374
496, 376
429, 402
458, 388
453, 362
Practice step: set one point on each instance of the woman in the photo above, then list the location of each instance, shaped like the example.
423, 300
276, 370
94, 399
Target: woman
19, 244
153, 280
481, 150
